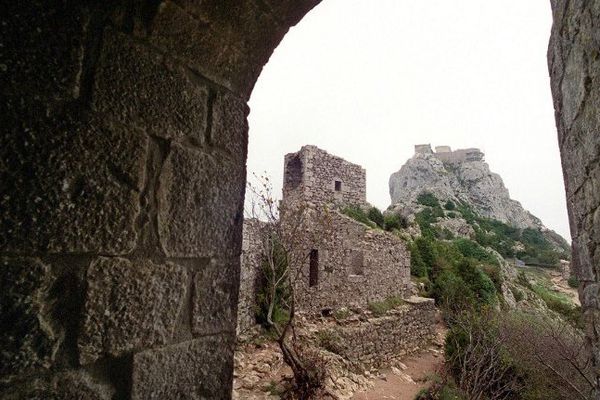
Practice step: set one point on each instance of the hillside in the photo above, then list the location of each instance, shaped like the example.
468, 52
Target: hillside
454, 194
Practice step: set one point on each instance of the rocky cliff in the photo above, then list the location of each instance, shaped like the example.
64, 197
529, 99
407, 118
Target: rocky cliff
458, 180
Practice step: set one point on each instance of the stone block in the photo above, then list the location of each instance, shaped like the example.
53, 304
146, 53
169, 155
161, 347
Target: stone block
200, 203
130, 305
28, 338
70, 186
137, 86
227, 42
73, 385
229, 124
215, 298
198, 369
43, 60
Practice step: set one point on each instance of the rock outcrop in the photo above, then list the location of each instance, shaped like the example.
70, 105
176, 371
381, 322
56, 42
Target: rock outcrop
458, 179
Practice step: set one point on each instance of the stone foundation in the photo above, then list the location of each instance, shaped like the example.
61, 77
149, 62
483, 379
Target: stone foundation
378, 341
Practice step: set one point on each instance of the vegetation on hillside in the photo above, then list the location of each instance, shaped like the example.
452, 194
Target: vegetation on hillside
529, 244
375, 219
492, 351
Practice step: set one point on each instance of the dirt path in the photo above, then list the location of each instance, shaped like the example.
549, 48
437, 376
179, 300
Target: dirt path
404, 384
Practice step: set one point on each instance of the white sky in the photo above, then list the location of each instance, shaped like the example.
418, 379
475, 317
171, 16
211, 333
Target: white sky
368, 79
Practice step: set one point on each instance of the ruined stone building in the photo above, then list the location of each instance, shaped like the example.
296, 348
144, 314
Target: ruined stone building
122, 170
447, 155
347, 262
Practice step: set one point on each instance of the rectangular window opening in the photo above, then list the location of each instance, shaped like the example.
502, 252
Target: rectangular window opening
313, 276
338, 186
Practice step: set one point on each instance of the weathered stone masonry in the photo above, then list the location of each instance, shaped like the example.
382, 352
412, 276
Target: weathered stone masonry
85, 168
316, 177
378, 341
351, 263
122, 169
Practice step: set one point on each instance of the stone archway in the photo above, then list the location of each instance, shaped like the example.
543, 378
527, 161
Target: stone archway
122, 169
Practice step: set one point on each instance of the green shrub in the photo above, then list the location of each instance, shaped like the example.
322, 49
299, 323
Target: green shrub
282, 291
358, 214
424, 219
471, 249
379, 308
394, 221
428, 199
517, 294
451, 293
375, 215
329, 340
450, 205
560, 304
342, 313
573, 282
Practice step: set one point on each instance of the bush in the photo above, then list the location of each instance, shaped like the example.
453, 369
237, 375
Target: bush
375, 215
471, 249
282, 292
358, 214
428, 199
450, 205
573, 282
394, 221
379, 308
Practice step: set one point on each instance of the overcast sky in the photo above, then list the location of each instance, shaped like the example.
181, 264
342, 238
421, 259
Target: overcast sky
368, 79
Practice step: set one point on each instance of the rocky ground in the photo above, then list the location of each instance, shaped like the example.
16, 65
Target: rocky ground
260, 372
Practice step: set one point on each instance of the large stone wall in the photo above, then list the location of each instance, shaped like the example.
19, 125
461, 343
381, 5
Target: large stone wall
310, 176
357, 264
574, 63
122, 170
377, 341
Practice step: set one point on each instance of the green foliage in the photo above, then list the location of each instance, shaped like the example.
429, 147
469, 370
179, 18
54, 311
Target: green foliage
573, 282
342, 313
526, 357
428, 199
424, 219
358, 214
394, 221
274, 388
375, 215
464, 287
518, 294
329, 340
280, 313
471, 249
560, 304
450, 205
379, 308
503, 238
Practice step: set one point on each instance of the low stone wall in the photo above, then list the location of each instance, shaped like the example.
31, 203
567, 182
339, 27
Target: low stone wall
377, 341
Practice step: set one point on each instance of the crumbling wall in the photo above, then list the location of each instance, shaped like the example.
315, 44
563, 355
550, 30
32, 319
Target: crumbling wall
250, 272
377, 341
323, 178
356, 264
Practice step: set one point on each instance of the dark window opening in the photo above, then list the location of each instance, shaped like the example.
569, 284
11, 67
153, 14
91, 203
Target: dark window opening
338, 186
293, 172
313, 276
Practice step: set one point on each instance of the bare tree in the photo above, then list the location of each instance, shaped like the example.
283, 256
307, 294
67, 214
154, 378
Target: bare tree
289, 230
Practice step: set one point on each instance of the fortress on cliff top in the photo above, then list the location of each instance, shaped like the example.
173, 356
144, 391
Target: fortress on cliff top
445, 153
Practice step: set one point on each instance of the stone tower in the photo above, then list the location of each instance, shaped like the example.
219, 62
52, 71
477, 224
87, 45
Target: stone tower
313, 176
